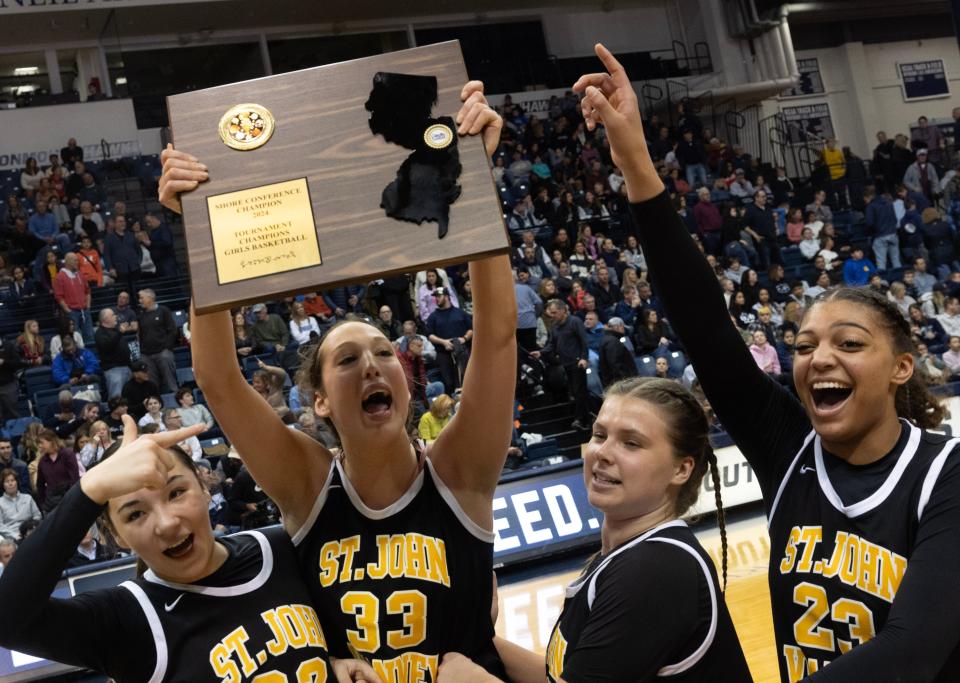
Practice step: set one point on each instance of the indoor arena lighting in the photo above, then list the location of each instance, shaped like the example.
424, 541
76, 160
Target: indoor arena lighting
26, 71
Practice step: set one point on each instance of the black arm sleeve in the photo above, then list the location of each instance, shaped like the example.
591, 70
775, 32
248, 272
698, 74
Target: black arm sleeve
922, 631
103, 630
764, 420
647, 614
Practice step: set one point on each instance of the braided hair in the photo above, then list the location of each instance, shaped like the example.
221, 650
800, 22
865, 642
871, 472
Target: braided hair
688, 432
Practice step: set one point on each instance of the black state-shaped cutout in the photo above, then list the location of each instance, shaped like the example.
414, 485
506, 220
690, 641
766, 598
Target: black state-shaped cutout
426, 183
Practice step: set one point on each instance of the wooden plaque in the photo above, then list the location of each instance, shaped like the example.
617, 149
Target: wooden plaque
301, 211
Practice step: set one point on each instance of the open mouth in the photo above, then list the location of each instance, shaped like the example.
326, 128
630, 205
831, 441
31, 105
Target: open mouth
604, 480
180, 549
377, 403
828, 396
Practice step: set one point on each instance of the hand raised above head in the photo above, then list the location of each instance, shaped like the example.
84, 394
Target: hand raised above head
476, 116
182, 172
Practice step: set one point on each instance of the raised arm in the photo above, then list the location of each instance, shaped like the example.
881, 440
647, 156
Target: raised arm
287, 464
470, 452
742, 395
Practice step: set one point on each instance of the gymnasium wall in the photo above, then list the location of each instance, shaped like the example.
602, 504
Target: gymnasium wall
864, 93
41, 131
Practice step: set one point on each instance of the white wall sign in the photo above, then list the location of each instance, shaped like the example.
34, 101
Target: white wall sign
810, 83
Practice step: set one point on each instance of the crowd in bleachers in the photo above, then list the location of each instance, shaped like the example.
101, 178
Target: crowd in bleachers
97, 338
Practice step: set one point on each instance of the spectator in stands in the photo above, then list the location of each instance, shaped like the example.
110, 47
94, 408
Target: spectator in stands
92, 192
100, 441
10, 364
269, 330
114, 353
9, 460
123, 254
926, 136
795, 226
758, 222
603, 291
31, 176
57, 470
314, 304
781, 187
60, 212
158, 337
567, 346
709, 221
950, 318
857, 269
652, 336
764, 354
172, 421
44, 226
435, 418
450, 330
921, 177
925, 329
939, 239
881, 221
523, 217
809, 246
415, 371
31, 346
138, 389
594, 329
303, 328
71, 154
72, 294
126, 315
922, 280
740, 187
16, 506
89, 263
12, 210
616, 360
153, 414
819, 207
833, 160
951, 357
118, 406
159, 240
344, 300
192, 413
242, 337
75, 365
898, 295
529, 308
883, 163
786, 347
268, 381
693, 158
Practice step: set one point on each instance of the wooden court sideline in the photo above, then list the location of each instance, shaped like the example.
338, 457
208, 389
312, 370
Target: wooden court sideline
528, 609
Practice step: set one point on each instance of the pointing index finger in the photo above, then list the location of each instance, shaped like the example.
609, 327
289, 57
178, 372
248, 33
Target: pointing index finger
614, 68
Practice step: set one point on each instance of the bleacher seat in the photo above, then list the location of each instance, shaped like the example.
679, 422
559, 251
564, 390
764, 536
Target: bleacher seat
646, 366
182, 357
180, 318
538, 451
38, 379
185, 377
14, 429
169, 400
676, 361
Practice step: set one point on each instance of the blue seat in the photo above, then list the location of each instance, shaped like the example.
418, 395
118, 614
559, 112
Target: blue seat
545, 449
169, 400
646, 366
14, 429
180, 317
182, 357
185, 376
676, 362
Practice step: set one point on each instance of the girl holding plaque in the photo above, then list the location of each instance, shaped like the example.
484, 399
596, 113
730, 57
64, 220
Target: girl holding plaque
397, 542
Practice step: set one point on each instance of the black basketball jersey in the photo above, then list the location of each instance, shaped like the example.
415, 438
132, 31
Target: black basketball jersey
263, 629
712, 653
835, 568
401, 586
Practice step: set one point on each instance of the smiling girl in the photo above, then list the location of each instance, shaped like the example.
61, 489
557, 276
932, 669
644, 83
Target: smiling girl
863, 503
397, 544
203, 610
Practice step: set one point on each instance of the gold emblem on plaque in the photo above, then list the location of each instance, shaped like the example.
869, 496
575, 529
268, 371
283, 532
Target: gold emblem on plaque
438, 136
246, 126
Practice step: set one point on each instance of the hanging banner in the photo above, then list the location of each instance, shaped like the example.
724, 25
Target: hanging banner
808, 123
923, 80
810, 83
